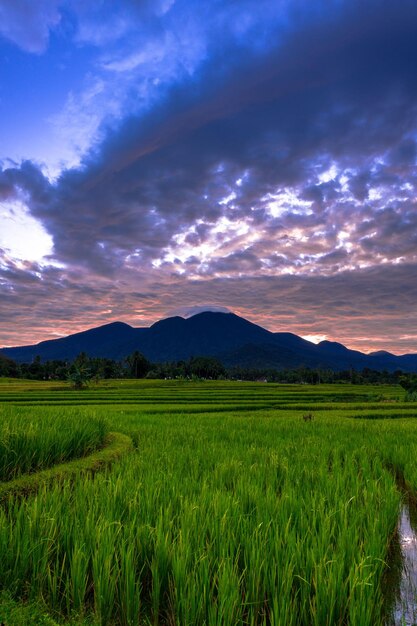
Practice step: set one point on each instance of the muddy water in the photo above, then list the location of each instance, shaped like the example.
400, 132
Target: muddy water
403, 604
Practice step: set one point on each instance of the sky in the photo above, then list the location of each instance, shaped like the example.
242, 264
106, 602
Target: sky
158, 157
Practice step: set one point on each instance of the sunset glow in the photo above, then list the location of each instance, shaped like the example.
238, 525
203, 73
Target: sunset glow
163, 156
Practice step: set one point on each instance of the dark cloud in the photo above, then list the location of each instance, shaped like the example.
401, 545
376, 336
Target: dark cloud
280, 119
282, 161
366, 309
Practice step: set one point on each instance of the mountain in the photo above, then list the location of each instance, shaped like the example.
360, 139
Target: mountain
103, 341
232, 339
381, 353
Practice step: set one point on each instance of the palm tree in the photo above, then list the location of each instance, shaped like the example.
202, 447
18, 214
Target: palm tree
79, 376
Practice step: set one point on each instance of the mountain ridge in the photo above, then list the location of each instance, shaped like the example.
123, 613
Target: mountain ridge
227, 336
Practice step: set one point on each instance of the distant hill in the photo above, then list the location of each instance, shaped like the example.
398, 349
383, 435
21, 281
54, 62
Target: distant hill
232, 339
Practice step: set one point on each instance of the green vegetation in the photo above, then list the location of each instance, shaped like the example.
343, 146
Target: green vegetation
14, 613
115, 445
30, 441
409, 383
233, 510
85, 369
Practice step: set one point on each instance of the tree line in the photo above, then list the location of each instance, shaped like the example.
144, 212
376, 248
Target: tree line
85, 368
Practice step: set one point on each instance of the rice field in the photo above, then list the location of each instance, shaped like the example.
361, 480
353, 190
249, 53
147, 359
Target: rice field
232, 510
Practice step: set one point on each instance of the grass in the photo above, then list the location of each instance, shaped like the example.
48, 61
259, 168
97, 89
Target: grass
233, 510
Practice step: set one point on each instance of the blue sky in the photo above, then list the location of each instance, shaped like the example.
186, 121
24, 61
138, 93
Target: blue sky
253, 155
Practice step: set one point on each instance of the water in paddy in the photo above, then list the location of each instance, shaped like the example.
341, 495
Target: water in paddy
403, 567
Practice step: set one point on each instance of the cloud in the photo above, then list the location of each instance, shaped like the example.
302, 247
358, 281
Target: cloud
28, 24
365, 309
194, 310
267, 120
273, 164
21, 235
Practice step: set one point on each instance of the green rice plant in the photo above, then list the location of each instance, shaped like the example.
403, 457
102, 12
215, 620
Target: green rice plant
225, 517
30, 441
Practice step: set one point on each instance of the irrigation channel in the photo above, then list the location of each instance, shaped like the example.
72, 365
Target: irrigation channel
401, 580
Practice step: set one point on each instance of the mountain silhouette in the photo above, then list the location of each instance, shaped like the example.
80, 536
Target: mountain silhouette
232, 339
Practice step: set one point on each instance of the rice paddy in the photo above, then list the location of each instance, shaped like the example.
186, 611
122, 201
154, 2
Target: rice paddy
34, 440
232, 510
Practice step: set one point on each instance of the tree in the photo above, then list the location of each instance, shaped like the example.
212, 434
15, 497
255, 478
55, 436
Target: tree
35, 368
207, 367
79, 376
409, 383
7, 366
138, 364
